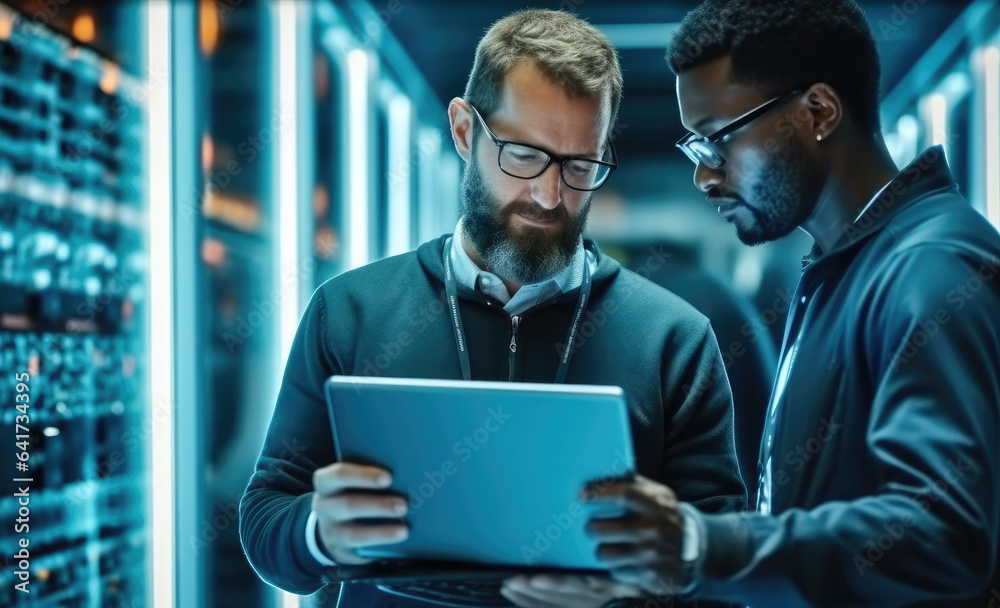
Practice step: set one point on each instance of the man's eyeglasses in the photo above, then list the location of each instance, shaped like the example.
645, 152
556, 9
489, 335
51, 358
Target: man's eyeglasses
527, 162
706, 150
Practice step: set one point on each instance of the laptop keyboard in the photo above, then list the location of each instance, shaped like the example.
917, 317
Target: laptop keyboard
462, 594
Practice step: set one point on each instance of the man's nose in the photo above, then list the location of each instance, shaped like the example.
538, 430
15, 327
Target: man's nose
706, 178
546, 189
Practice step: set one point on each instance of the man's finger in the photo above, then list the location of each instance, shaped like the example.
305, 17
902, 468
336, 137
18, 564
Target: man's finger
355, 535
561, 593
629, 575
344, 475
626, 495
643, 578
651, 579
569, 584
355, 505
624, 555
623, 529
521, 599
347, 557
585, 586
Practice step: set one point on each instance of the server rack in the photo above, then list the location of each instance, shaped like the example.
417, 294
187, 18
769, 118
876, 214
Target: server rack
72, 280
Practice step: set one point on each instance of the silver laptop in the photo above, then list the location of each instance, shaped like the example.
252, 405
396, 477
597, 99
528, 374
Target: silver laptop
492, 470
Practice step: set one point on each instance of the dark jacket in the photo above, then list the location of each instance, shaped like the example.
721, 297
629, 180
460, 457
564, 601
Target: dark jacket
389, 319
886, 450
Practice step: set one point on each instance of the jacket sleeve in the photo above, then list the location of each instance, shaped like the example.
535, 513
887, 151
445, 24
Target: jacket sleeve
930, 532
277, 501
699, 459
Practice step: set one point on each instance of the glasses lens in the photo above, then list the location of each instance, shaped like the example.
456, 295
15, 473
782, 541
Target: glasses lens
522, 161
703, 152
584, 174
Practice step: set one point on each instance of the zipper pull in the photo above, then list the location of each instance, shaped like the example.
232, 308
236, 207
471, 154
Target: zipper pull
513, 333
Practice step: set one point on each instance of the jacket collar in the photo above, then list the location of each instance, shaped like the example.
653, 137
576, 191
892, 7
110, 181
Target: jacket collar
929, 172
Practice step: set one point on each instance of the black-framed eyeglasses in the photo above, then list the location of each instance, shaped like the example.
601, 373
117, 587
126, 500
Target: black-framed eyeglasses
525, 161
705, 150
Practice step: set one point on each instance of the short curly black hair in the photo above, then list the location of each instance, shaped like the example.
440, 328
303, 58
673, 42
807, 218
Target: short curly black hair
781, 45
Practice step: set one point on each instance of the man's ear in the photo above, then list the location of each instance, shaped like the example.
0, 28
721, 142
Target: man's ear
825, 109
460, 116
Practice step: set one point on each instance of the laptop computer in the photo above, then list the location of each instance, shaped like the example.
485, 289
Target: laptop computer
492, 473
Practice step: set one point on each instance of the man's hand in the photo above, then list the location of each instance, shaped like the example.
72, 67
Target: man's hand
564, 591
345, 493
643, 547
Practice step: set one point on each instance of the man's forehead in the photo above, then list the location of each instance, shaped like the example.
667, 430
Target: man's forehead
709, 93
530, 100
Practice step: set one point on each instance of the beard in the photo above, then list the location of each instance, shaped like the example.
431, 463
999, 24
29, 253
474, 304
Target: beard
525, 255
781, 198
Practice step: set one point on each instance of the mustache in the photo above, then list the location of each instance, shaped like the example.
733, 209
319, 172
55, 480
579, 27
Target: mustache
533, 211
718, 197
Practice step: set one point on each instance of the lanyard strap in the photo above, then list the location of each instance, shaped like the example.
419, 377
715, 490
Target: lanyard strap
456, 319
451, 289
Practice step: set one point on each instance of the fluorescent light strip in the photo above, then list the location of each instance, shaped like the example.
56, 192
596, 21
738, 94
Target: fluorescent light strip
991, 120
639, 35
288, 200
431, 220
357, 126
400, 172
909, 133
937, 110
161, 303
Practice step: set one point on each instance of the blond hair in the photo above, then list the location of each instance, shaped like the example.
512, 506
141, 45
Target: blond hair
565, 48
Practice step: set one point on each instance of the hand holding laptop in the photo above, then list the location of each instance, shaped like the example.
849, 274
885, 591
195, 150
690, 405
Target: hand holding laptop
345, 493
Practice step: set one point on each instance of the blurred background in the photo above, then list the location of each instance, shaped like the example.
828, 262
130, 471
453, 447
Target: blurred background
176, 178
